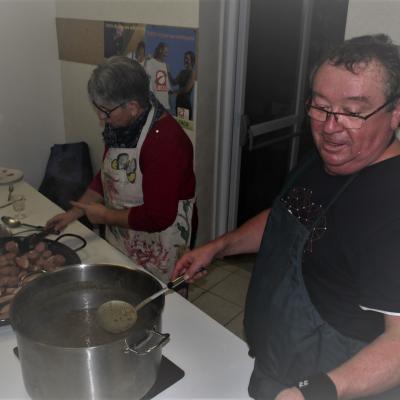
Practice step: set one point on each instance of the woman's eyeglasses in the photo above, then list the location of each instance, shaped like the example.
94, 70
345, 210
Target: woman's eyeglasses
107, 113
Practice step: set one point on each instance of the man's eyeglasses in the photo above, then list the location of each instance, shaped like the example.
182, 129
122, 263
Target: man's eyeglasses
107, 113
347, 120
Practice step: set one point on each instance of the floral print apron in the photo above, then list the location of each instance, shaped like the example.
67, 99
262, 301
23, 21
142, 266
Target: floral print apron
122, 184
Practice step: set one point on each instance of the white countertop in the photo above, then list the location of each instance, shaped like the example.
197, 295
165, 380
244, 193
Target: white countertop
215, 361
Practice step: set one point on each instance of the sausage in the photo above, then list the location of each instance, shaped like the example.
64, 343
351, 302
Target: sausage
22, 261
12, 247
50, 264
10, 256
33, 255
59, 260
3, 260
9, 270
8, 281
47, 254
41, 247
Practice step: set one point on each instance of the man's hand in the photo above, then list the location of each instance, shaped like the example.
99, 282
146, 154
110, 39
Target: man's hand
290, 394
192, 264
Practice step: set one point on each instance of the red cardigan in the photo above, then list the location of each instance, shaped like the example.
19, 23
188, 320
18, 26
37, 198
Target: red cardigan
166, 162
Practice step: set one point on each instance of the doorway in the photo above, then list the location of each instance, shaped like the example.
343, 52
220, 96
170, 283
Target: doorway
285, 38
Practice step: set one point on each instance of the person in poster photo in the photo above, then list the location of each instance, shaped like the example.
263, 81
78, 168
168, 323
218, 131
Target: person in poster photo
185, 82
139, 54
156, 68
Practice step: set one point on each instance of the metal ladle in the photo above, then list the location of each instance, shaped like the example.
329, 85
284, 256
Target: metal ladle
117, 316
15, 223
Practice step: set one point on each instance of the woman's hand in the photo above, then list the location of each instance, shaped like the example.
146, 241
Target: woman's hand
60, 221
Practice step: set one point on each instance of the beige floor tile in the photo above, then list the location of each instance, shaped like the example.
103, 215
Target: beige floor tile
218, 262
243, 273
236, 326
214, 276
233, 288
243, 261
229, 267
194, 292
217, 308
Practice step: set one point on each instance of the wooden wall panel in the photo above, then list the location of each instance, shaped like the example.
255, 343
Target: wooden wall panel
80, 40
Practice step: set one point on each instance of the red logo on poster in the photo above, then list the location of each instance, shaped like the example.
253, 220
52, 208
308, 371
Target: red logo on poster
161, 80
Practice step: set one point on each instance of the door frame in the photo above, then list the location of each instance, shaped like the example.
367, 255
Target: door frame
232, 124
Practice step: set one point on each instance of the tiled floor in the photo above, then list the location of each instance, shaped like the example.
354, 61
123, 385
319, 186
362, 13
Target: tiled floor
222, 293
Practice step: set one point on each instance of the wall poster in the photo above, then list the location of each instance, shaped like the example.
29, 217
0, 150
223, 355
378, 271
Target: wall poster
168, 55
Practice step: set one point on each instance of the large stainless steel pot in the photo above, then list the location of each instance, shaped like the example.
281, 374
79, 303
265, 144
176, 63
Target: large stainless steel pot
65, 354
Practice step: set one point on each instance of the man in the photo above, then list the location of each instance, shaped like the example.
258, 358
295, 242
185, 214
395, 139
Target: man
157, 70
145, 190
323, 307
185, 81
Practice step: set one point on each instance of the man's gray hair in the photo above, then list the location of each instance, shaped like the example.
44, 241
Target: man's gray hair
364, 49
119, 80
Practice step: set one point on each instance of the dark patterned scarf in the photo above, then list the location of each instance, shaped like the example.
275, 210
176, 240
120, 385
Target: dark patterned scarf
128, 137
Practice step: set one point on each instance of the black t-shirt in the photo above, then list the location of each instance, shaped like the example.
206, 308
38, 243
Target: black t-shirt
356, 260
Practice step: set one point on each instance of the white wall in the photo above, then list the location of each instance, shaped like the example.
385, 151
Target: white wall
31, 118
373, 16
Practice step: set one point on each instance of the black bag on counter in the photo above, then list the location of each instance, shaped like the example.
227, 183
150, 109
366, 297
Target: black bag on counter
68, 174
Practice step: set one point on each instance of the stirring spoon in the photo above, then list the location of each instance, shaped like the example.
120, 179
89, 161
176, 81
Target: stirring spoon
117, 316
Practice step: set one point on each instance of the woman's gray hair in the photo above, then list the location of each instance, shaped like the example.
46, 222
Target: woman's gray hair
119, 80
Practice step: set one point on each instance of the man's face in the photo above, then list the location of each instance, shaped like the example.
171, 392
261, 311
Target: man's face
164, 53
187, 61
336, 89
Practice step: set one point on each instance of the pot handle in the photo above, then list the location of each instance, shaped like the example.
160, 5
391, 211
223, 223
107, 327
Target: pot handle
84, 243
147, 345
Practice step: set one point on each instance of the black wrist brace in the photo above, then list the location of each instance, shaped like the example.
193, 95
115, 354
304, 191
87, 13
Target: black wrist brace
318, 387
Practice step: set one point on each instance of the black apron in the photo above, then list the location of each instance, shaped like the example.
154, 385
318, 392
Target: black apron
285, 332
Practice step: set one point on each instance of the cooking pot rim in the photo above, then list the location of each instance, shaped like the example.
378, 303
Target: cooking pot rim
129, 337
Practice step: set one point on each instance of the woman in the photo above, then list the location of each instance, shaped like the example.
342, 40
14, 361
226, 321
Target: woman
144, 193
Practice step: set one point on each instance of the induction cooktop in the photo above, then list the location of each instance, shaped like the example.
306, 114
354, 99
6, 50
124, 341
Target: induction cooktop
168, 374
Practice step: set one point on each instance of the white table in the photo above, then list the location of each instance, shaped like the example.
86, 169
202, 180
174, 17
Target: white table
215, 361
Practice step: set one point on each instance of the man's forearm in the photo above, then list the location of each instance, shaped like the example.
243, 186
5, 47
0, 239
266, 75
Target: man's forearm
245, 239
374, 369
